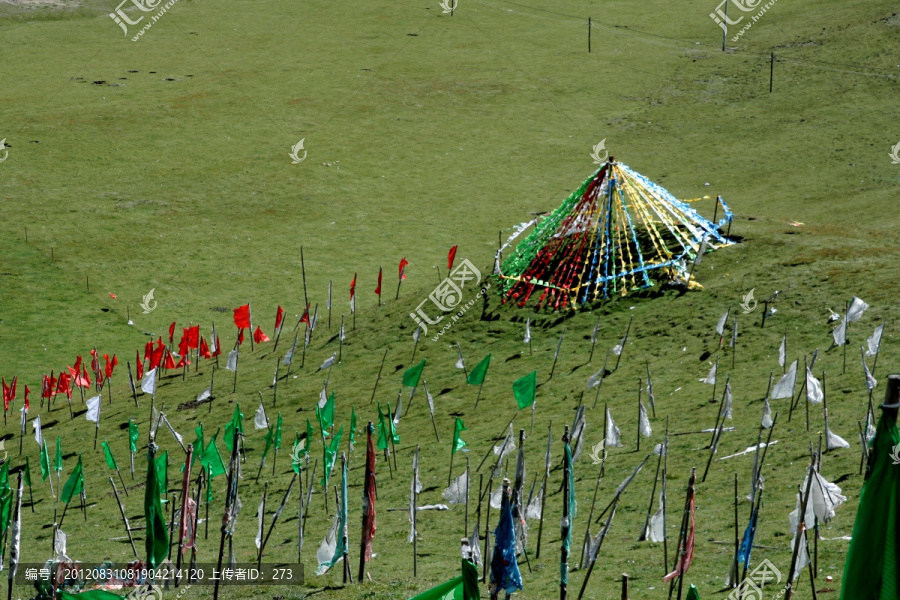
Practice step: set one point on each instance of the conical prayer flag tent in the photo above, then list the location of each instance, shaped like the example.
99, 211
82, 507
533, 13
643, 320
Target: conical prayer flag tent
615, 234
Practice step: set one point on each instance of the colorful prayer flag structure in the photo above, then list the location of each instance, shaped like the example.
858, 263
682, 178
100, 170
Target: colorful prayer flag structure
615, 234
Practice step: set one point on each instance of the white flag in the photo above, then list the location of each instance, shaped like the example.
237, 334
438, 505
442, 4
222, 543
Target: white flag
785, 386
726, 408
342, 333
148, 383
460, 362
595, 379
617, 349
315, 319
527, 331
38, 435
782, 349
711, 376
204, 395
323, 396
261, 421
328, 362
825, 498
720, 326
328, 546
840, 333
397, 409
856, 310
594, 333
496, 497
260, 513
473, 546
289, 356
834, 441
700, 252
458, 490
353, 303
766, 416
93, 409
657, 521
643, 421
871, 382
212, 343
506, 446
874, 342
813, 389
231, 363
533, 510
328, 302
613, 435
429, 398
416, 333
59, 546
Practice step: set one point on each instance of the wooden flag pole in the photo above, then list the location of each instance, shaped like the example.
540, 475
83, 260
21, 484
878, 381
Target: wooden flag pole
587, 529
478, 397
236, 360
341, 338
537, 554
639, 416
124, 518
391, 434
645, 532
212, 378
468, 481
452, 454
303, 271
415, 533
378, 378
230, 494
491, 447
556, 354
275, 382
130, 383
737, 537
594, 340
624, 341
801, 527
342, 508
485, 557
681, 551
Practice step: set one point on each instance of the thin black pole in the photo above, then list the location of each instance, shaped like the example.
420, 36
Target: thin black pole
771, 66
589, 34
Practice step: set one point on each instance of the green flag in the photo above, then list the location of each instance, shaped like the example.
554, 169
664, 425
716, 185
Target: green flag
325, 415
268, 439
298, 450
212, 460
110, 461
524, 389
45, 461
74, 484
27, 475
198, 443
870, 570
693, 593
310, 433
458, 443
352, 426
383, 434
277, 441
156, 540
462, 587
412, 375
237, 422
6, 499
390, 422
133, 435
89, 595
162, 472
477, 375
331, 451
57, 458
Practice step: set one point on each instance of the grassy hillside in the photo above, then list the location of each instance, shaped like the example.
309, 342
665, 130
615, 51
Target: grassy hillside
162, 164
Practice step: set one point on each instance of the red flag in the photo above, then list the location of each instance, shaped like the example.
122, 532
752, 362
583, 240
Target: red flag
77, 367
111, 295
451, 257
158, 354
378, 289
240, 337
170, 361
95, 364
684, 561
139, 366
63, 385
193, 336
259, 337
27, 401
368, 507
305, 317
85, 379
171, 331
353, 288
204, 349
242, 317
110, 364
182, 361
47, 384
218, 346
148, 350
183, 343
403, 263
12, 394
279, 318
6, 394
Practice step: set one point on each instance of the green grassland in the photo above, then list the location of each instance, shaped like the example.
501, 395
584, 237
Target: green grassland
164, 164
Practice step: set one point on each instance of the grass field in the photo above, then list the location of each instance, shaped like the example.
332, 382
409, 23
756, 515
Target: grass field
163, 164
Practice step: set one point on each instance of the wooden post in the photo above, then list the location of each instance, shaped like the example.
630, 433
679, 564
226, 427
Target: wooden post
624, 341
414, 499
378, 378
725, 26
771, 67
624, 586
566, 525
587, 529
589, 34
544, 489
124, 518
801, 527
229, 500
